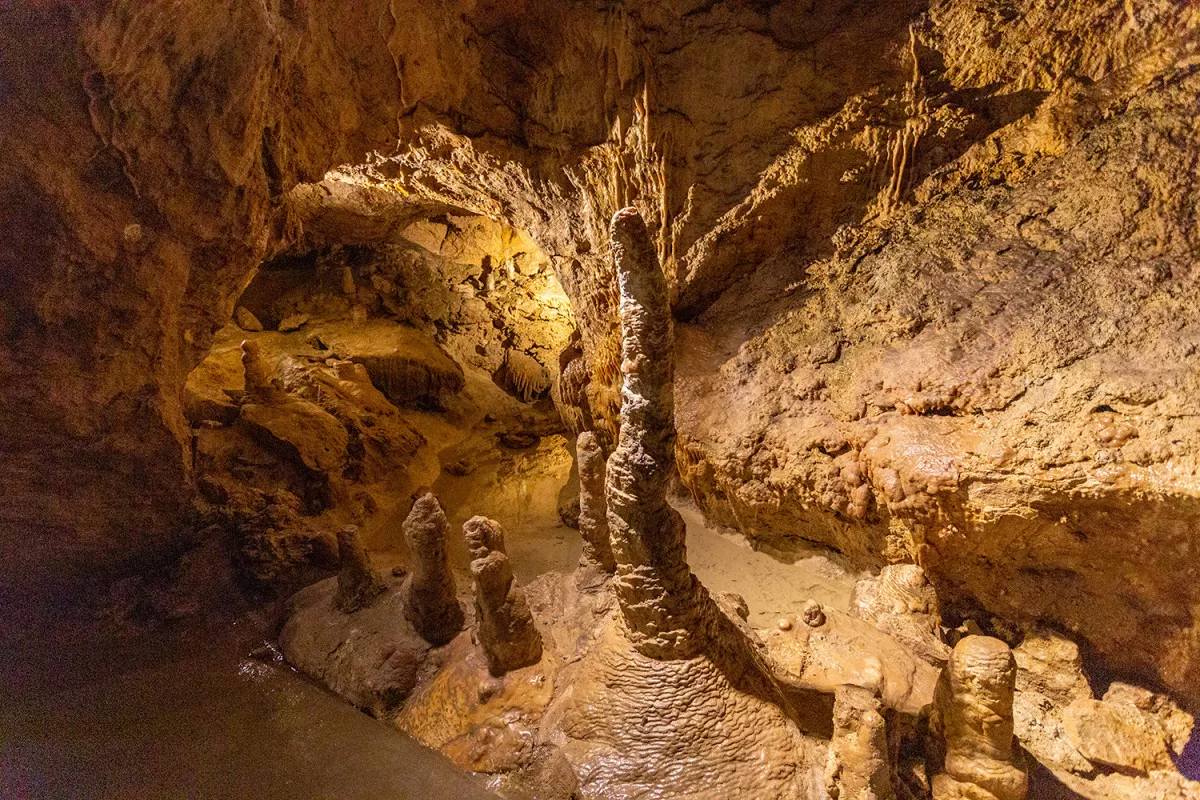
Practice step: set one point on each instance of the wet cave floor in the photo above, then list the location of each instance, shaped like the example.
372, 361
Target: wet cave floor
186, 711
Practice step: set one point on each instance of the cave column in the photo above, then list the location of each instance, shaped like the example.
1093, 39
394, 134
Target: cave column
657, 593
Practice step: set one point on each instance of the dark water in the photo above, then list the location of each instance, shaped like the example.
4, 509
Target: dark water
186, 713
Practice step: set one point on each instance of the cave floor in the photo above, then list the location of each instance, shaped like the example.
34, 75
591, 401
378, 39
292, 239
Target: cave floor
520, 490
184, 711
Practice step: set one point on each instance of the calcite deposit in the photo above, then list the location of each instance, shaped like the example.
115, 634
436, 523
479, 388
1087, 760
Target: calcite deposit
431, 603
912, 282
503, 623
973, 717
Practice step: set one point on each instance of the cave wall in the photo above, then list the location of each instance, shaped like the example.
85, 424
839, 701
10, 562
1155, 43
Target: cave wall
825, 181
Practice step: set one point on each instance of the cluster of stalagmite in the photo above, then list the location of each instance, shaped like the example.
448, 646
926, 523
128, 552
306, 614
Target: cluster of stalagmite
858, 766
973, 720
504, 624
662, 602
431, 604
357, 583
596, 561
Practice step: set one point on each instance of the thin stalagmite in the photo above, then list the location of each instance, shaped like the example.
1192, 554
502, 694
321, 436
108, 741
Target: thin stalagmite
504, 624
597, 558
357, 583
659, 597
431, 604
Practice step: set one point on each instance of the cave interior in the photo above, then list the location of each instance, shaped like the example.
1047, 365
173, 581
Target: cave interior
557, 400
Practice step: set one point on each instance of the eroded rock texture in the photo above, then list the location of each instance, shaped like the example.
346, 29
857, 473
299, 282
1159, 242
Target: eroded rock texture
503, 622
597, 558
430, 602
973, 716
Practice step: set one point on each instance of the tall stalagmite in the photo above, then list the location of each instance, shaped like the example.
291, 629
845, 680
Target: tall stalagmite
597, 558
431, 605
660, 599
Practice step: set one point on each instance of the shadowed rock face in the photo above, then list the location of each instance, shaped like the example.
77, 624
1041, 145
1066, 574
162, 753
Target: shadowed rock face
597, 557
504, 624
357, 582
973, 714
660, 599
431, 604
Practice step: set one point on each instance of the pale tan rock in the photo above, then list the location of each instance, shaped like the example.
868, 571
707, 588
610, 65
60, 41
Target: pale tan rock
503, 623
430, 599
858, 767
973, 718
246, 320
1176, 724
1117, 736
596, 560
1049, 663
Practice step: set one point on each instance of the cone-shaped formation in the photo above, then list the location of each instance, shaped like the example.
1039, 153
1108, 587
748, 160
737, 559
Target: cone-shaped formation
973, 714
357, 582
504, 624
260, 388
858, 766
597, 558
431, 604
659, 597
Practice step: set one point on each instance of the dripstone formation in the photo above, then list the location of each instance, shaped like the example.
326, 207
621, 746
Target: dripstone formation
973, 717
660, 599
597, 558
503, 622
357, 583
858, 754
431, 604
